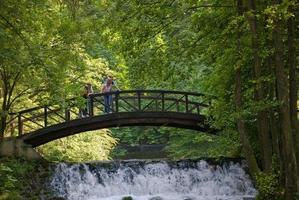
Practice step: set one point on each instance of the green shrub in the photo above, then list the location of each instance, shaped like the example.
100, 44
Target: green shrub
12, 177
268, 186
92, 145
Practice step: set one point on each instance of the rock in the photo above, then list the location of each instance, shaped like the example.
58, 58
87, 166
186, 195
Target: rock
127, 198
57, 198
156, 198
248, 198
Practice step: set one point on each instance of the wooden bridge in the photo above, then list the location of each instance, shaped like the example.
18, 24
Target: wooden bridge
39, 125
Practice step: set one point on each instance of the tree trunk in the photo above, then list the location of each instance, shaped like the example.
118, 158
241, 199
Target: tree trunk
293, 83
247, 149
2, 127
273, 123
8, 87
262, 115
4, 111
284, 109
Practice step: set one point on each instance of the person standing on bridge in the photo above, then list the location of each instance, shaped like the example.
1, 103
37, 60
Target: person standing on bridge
88, 90
107, 87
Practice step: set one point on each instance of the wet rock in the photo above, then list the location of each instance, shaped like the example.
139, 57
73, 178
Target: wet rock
57, 198
156, 198
248, 198
127, 198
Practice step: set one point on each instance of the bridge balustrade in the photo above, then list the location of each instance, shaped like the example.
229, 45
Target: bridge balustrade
130, 101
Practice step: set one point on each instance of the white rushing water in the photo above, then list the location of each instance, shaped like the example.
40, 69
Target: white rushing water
152, 181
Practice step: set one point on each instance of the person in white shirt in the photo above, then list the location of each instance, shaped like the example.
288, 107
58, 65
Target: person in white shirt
107, 87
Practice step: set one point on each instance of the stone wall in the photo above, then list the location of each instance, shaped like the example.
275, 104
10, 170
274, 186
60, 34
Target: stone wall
15, 147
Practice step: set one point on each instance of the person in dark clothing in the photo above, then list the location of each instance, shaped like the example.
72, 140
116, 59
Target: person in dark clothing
87, 91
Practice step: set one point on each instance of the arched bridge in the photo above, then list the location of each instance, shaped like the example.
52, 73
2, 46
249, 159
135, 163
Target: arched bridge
39, 125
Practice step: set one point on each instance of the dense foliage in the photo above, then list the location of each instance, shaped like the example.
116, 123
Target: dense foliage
141, 135
190, 144
21, 179
46, 59
243, 53
93, 145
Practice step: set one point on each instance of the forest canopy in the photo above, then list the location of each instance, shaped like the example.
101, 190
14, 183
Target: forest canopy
243, 52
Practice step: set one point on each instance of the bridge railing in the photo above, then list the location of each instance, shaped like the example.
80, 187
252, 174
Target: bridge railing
44, 116
149, 101
120, 101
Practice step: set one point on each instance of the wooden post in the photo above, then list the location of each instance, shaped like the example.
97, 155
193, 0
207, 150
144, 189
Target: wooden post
163, 101
90, 106
45, 116
139, 100
116, 101
112, 104
20, 124
186, 103
67, 115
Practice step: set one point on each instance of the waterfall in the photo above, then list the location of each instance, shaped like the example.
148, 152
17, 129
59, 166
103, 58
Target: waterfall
152, 180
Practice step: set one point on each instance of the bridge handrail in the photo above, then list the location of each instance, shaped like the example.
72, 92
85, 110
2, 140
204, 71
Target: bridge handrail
166, 99
147, 91
51, 112
120, 92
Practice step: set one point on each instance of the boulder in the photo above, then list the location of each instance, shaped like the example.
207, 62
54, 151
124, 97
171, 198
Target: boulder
156, 198
127, 198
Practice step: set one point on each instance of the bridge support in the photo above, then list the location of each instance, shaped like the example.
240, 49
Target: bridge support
15, 147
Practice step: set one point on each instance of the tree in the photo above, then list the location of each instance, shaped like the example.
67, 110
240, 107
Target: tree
43, 57
211, 48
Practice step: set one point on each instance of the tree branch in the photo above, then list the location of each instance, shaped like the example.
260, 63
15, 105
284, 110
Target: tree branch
18, 96
15, 30
12, 88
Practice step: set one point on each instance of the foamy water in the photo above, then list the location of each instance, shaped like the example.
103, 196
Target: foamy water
152, 181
